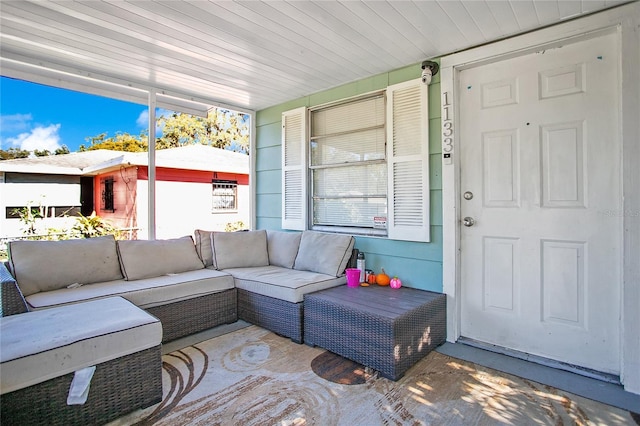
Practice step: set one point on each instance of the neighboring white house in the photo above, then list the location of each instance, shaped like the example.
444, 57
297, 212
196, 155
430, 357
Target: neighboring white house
197, 186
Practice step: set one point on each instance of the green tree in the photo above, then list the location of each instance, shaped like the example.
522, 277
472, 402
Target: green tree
119, 142
62, 150
13, 153
221, 129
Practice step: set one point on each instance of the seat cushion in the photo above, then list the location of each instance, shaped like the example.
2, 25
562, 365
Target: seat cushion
154, 258
38, 346
283, 247
202, 241
282, 283
49, 265
145, 293
324, 253
239, 249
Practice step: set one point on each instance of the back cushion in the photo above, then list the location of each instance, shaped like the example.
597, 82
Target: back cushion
239, 249
283, 247
324, 253
153, 258
50, 265
203, 246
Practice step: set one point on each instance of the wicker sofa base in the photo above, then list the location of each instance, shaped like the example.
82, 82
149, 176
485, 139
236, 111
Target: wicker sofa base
279, 316
180, 319
118, 387
382, 328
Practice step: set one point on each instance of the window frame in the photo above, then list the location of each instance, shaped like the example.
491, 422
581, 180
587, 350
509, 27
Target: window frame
107, 194
311, 168
224, 184
407, 160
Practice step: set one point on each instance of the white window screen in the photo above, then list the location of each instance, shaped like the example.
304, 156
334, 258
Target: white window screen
348, 166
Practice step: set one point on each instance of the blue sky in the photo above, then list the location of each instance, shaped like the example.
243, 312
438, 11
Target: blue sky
34, 116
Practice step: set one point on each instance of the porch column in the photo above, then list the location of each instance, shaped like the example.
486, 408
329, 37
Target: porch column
151, 223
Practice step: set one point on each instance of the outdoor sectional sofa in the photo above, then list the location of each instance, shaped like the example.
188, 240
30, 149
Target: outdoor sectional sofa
188, 284
189, 287
273, 270
165, 277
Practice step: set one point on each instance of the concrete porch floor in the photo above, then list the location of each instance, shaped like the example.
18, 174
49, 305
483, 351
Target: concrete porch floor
597, 390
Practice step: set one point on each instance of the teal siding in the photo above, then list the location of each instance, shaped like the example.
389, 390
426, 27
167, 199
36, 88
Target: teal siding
419, 265
268, 182
268, 223
436, 209
271, 205
269, 134
435, 172
268, 157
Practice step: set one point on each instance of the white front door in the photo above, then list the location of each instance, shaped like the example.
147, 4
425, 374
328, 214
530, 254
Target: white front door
541, 183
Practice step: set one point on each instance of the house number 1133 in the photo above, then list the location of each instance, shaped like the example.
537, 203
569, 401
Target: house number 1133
447, 130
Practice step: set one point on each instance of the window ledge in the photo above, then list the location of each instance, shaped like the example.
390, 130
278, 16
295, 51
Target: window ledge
364, 232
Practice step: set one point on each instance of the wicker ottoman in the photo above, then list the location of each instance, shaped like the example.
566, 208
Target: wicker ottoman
382, 328
41, 350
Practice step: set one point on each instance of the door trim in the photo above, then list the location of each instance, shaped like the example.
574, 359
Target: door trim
623, 21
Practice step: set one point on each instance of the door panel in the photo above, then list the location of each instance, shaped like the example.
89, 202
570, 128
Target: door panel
563, 274
501, 168
540, 265
563, 165
501, 274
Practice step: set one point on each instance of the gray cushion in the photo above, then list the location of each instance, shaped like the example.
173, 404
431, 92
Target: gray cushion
239, 249
153, 258
324, 253
144, 293
38, 346
283, 247
282, 283
203, 246
50, 265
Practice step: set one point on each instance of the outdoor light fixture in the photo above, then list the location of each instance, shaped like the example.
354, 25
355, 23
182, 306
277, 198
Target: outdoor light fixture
429, 69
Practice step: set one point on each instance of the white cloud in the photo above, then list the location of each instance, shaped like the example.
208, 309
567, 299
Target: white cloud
143, 118
39, 138
15, 122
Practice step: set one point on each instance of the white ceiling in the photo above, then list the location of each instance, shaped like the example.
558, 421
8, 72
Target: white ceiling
249, 54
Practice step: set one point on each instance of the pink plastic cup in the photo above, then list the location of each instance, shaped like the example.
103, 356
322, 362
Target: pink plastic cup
353, 277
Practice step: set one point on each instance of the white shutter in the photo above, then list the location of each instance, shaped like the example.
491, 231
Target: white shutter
408, 161
294, 169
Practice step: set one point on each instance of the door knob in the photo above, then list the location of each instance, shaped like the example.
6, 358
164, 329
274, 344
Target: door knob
468, 221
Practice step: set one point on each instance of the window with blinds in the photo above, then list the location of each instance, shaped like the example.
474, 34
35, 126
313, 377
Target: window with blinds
359, 166
348, 164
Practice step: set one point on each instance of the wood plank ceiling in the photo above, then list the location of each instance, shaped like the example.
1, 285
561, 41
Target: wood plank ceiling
249, 54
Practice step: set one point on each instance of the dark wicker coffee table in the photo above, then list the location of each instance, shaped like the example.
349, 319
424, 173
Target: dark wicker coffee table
379, 327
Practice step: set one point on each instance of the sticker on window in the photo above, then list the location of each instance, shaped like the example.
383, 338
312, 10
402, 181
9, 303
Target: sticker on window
380, 222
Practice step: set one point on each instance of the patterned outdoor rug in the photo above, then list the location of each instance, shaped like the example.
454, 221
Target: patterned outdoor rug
254, 377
